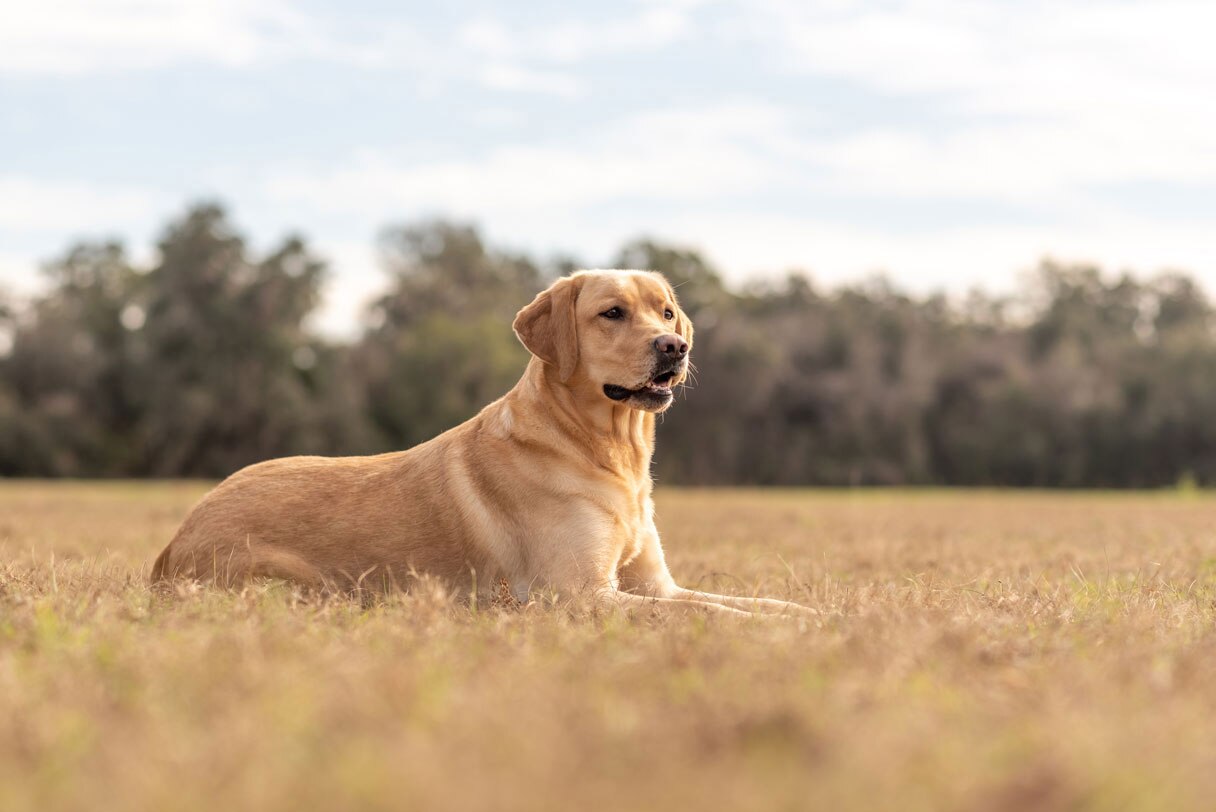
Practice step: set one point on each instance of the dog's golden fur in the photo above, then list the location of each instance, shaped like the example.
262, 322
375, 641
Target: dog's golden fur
547, 488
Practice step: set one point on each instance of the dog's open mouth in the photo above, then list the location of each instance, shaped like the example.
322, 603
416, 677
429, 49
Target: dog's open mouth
658, 386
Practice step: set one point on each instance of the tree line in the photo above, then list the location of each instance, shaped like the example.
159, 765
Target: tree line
205, 361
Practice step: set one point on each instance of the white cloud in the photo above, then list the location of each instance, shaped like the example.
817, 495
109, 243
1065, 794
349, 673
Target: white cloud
1047, 57
503, 76
950, 259
78, 37
509, 54
1030, 99
67, 37
1047, 165
570, 41
656, 156
28, 204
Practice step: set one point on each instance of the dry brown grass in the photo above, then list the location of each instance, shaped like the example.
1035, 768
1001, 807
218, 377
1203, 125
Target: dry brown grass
973, 651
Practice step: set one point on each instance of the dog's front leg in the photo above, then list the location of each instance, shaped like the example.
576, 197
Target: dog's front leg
629, 601
764, 606
647, 575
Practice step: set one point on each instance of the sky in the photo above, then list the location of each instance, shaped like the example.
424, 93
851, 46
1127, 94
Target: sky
950, 145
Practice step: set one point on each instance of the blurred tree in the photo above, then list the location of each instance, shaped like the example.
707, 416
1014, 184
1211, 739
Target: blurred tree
229, 365
441, 346
204, 362
438, 267
69, 370
194, 367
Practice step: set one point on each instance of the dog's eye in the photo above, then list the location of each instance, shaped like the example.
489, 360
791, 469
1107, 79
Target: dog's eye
667, 314
613, 313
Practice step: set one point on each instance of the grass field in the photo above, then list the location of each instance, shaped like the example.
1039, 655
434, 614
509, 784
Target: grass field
979, 650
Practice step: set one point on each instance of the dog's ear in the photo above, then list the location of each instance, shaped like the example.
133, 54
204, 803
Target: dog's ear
548, 329
683, 323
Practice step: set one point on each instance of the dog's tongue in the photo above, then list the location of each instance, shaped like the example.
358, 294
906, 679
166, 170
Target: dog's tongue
662, 381
621, 393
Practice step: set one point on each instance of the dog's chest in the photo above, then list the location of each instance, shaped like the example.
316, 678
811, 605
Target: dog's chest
635, 523
630, 547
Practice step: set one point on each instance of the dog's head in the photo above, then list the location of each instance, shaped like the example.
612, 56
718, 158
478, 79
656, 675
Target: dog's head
615, 335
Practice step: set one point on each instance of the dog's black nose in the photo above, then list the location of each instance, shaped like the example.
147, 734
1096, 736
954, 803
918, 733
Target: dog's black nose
672, 345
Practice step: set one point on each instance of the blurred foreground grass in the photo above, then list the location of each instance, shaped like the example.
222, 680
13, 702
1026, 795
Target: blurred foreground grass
974, 650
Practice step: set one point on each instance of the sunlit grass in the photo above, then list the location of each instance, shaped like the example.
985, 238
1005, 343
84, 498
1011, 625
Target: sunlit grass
973, 650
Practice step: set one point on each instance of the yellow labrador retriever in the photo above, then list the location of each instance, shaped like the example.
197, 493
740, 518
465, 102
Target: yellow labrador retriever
548, 488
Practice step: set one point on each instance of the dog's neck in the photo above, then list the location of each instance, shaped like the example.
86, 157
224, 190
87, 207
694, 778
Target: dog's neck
615, 436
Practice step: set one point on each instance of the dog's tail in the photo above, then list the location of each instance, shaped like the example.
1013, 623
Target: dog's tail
160, 566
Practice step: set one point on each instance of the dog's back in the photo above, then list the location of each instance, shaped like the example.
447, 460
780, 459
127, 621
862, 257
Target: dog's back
324, 522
